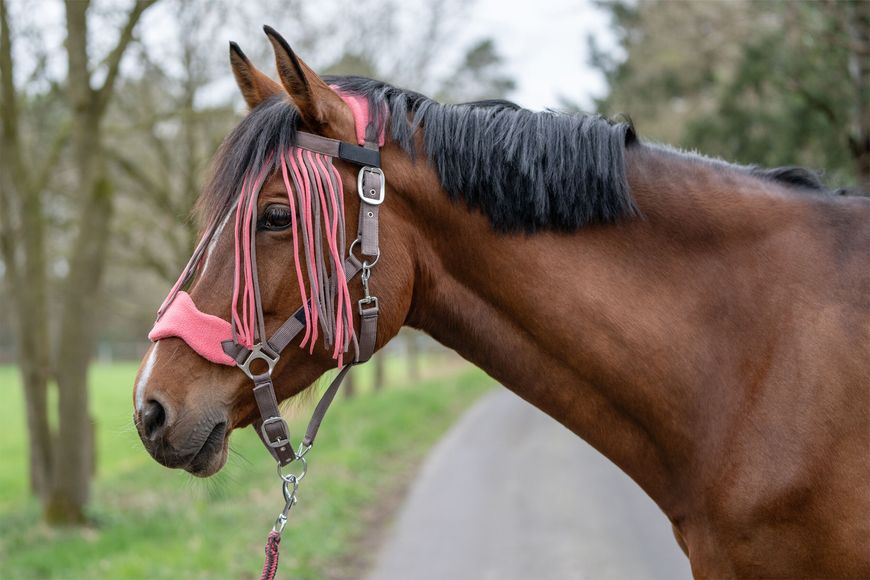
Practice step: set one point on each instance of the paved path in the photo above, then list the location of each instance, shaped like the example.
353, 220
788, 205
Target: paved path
511, 494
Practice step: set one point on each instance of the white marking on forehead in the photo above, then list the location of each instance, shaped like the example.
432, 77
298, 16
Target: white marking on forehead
144, 376
214, 241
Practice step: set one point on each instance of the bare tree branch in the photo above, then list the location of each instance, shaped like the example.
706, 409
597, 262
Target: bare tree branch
7, 81
113, 61
43, 177
157, 194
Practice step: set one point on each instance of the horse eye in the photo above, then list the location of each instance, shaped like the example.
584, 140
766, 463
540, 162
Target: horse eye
275, 218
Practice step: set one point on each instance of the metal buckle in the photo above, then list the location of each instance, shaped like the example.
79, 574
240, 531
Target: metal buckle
259, 352
366, 301
280, 442
372, 196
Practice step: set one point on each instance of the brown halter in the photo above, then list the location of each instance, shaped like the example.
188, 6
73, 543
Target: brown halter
242, 342
271, 427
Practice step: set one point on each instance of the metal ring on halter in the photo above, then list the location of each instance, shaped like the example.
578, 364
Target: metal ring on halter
263, 353
365, 263
293, 477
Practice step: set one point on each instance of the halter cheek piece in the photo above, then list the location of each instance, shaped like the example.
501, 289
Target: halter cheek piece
217, 340
241, 341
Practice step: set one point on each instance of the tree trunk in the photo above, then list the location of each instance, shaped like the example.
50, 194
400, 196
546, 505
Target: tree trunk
34, 344
349, 386
378, 362
69, 471
27, 288
74, 455
413, 357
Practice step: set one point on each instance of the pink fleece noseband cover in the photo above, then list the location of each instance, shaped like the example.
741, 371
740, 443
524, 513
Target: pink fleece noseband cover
204, 333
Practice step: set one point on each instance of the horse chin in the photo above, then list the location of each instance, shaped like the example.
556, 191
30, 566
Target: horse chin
211, 458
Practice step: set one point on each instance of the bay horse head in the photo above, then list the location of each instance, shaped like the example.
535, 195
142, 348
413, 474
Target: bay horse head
279, 222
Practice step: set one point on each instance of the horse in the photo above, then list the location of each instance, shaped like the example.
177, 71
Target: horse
704, 325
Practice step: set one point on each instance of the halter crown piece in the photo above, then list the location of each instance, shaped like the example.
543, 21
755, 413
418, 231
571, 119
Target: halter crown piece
315, 194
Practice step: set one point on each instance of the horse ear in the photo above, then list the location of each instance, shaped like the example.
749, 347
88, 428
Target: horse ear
256, 87
318, 104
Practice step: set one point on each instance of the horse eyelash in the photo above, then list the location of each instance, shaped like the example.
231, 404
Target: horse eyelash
261, 221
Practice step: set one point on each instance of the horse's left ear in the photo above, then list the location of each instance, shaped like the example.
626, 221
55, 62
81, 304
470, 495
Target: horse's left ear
319, 106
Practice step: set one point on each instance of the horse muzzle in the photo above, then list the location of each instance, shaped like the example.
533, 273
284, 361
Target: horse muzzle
198, 446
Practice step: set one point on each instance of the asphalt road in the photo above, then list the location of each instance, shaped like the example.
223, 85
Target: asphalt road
511, 494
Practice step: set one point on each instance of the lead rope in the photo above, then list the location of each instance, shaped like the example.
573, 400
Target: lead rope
289, 488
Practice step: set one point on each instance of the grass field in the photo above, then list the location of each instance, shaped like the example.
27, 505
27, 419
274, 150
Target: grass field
159, 523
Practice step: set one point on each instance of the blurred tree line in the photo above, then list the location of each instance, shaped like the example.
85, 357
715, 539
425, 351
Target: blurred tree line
767, 83
110, 113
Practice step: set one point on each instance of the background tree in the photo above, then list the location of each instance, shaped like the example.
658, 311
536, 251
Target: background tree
22, 242
755, 82
481, 76
61, 465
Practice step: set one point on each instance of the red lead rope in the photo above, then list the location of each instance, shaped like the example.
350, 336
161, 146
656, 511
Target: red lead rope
270, 565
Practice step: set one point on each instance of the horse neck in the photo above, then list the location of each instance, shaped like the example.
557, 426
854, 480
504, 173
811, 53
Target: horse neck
622, 333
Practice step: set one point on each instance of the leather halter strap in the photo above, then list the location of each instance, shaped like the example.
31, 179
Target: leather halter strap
271, 427
364, 156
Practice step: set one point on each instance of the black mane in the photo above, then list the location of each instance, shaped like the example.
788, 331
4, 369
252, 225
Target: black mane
526, 171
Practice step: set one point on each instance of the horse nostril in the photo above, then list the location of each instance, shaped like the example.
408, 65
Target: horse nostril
153, 419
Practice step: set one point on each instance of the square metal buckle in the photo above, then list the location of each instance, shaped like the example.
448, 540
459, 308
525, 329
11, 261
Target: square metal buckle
281, 441
368, 304
371, 196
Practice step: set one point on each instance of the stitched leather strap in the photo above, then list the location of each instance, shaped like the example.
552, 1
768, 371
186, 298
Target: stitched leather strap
371, 189
368, 332
272, 427
347, 151
323, 406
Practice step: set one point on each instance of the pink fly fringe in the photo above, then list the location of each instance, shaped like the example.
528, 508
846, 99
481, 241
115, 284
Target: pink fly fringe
316, 198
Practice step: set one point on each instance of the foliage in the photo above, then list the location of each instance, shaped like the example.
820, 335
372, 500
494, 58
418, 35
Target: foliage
769, 83
480, 77
161, 523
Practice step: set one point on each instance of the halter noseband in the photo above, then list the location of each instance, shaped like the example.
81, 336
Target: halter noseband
234, 343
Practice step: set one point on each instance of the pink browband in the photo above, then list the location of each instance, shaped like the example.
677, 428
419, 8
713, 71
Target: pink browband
314, 189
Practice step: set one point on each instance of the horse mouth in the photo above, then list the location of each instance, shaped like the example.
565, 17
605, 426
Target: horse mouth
212, 455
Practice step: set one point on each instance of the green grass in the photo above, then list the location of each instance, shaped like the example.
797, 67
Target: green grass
160, 523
